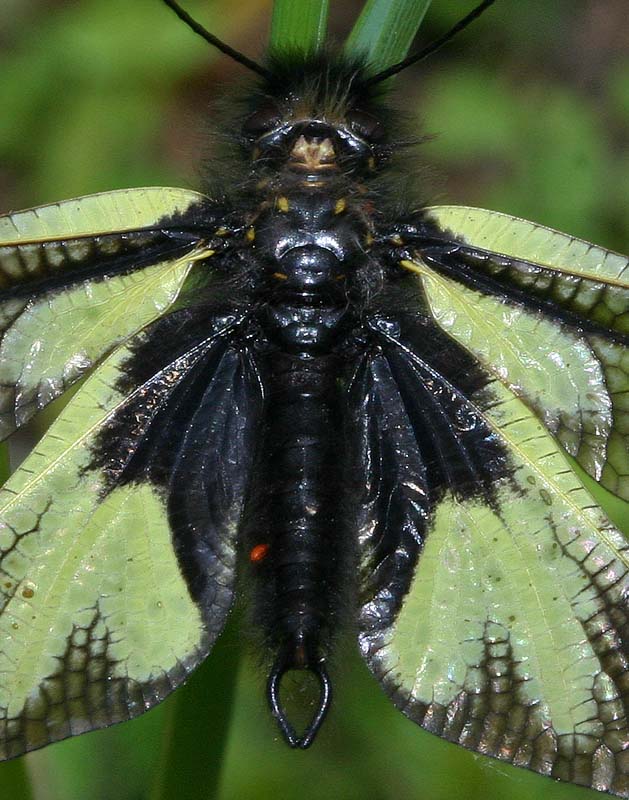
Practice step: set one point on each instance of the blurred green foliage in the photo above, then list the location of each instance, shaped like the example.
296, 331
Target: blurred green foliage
530, 115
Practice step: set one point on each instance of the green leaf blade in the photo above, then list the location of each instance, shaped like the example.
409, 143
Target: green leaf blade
298, 25
385, 31
197, 729
16, 782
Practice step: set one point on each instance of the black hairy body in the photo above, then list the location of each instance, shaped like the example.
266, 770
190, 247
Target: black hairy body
335, 404
321, 403
299, 409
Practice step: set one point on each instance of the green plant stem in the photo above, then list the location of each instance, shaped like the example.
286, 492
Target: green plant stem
298, 25
385, 31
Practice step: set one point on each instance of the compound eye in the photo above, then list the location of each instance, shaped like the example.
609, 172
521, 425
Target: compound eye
366, 125
262, 121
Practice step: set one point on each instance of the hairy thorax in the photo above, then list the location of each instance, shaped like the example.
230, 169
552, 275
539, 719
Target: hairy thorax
312, 230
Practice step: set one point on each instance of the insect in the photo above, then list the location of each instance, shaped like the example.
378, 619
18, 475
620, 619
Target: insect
314, 393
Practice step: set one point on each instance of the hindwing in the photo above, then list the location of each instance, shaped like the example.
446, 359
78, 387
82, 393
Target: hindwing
117, 534
494, 602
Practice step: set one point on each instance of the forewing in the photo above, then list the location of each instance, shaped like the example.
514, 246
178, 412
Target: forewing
79, 277
116, 570
549, 316
496, 616
586, 282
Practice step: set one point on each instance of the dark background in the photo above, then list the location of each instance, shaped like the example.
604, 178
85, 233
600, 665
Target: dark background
529, 112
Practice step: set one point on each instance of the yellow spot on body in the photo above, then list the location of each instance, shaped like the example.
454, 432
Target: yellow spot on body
341, 205
371, 163
222, 231
250, 235
396, 240
283, 204
411, 267
369, 240
280, 276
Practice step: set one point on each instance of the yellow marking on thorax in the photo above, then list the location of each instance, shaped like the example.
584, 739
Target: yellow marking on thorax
222, 231
282, 204
250, 235
280, 276
341, 205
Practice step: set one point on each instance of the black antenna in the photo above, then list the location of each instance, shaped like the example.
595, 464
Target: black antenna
431, 48
216, 42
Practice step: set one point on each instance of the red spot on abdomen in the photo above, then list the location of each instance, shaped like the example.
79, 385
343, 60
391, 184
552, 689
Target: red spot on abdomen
258, 553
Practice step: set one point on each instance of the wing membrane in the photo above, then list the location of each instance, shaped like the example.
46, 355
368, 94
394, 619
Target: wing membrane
101, 615
497, 251
55, 244
497, 618
58, 316
578, 383
567, 361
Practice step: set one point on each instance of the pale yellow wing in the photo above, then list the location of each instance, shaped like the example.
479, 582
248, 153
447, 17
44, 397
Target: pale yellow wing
79, 277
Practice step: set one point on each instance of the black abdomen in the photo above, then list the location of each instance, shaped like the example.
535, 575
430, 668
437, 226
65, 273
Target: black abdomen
294, 509
293, 524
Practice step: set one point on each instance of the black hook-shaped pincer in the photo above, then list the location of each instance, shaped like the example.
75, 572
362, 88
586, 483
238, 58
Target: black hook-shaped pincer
317, 668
